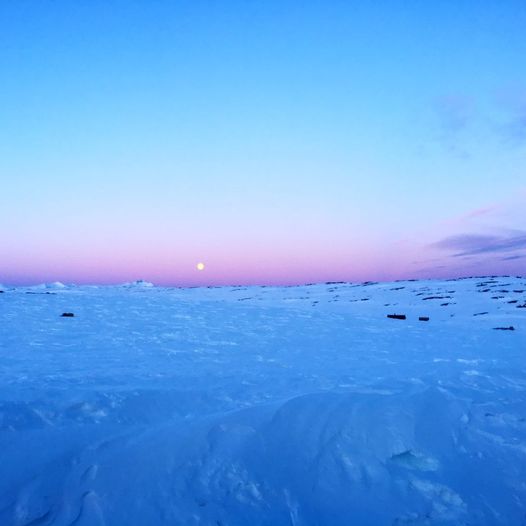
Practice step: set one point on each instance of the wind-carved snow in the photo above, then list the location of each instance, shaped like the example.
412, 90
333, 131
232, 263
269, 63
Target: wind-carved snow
264, 405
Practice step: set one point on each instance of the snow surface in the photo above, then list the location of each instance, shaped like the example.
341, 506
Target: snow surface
264, 405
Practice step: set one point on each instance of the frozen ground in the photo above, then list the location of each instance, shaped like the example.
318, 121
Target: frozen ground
264, 406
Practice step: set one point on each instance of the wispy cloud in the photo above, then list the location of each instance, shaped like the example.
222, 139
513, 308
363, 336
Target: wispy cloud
504, 214
515, 129
453, 114
512, 105
475, 213
474, 244
459, 120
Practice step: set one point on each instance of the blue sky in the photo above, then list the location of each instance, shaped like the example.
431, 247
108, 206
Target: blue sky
278, 142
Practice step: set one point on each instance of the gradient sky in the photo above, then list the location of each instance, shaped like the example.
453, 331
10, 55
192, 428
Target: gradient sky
276, 141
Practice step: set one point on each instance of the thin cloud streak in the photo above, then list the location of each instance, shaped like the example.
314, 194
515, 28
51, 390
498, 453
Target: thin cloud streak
473, 214
474, 244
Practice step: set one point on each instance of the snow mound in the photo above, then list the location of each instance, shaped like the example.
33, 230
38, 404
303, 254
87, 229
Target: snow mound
140, 283
319, 458
55, 285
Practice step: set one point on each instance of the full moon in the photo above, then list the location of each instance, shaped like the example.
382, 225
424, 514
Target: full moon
200, 266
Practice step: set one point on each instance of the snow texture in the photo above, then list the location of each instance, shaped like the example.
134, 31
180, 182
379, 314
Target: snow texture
264, 405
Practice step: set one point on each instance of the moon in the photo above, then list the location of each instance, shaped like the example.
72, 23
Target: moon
200, 266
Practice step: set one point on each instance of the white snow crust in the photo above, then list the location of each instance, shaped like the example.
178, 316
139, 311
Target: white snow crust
264, 405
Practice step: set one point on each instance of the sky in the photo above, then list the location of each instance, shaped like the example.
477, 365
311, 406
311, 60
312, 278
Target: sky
277, 142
